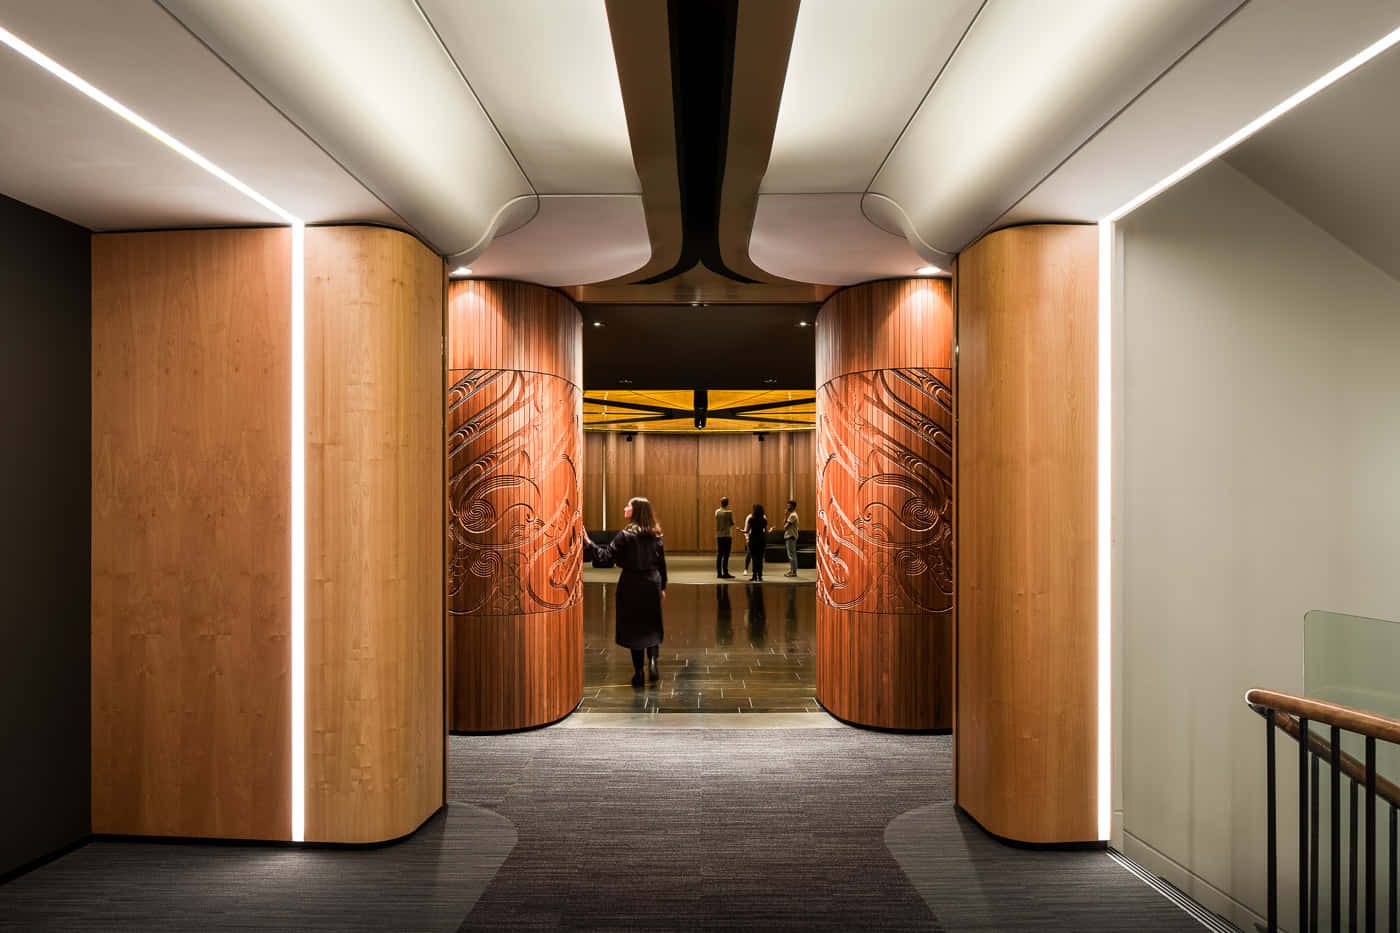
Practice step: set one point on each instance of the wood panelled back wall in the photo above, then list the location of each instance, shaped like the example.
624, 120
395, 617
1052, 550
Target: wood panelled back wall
885, 504
191, 403
1027, 577
684, 476
374, 477
514, 453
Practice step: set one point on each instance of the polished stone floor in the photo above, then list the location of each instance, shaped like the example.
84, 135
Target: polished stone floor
729, 648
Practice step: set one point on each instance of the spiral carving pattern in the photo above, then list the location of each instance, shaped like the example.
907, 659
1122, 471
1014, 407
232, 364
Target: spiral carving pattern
885, 492
514, 519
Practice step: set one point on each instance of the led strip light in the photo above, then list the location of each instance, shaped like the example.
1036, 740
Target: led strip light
298, 609
1105, 419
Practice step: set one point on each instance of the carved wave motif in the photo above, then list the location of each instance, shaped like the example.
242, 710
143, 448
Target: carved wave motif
514, 442
885, 492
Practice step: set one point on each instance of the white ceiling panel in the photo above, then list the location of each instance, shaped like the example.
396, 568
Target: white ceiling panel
370, 82
1334, 161
573, 240
1255, 60
545, 71
855, 74
140, 55
824, 238
1031, 81
65, 154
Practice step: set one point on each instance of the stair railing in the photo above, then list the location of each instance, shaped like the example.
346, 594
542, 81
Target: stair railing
1293, 715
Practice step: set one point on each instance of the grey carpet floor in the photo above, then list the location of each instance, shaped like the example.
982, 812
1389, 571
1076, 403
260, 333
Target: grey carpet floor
975, 882
773, 830
428, 882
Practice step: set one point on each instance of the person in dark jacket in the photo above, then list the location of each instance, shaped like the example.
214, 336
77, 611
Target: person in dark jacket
638, 551
756, 527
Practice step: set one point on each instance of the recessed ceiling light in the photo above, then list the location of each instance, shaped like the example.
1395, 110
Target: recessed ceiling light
769, 381
803, 324
461, 270
927, 270
625, 382
598, 324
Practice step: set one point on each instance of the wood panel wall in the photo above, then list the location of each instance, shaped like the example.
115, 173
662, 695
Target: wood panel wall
884, 450
191, 552
514, 461
684, 476
1026, 733
375, 762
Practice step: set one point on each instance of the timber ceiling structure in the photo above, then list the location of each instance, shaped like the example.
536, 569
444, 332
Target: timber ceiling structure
736, 156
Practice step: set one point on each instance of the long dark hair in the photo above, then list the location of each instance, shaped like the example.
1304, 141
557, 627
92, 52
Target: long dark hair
643, 519
758, 521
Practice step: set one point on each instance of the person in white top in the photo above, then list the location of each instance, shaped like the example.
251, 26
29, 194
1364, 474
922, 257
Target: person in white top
790, 537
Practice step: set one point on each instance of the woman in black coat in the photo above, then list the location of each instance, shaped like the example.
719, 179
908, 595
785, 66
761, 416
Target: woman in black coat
756, 527
641, 588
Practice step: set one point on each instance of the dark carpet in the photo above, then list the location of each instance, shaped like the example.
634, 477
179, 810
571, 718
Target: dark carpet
975, 882
427, 882
683, 830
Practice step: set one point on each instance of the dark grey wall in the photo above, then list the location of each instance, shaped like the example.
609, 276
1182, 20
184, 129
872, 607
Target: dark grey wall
45, 540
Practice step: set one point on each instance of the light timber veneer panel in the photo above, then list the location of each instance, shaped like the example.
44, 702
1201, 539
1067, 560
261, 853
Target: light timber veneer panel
884, 486
514, 511
374, 605
191, 405
1026, 733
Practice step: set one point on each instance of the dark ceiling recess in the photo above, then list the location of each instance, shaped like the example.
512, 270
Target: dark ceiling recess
717, 346
702, 75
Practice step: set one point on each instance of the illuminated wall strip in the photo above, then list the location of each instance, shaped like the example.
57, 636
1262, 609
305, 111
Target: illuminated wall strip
298, 608
298, 450
1105, 420
1105, 530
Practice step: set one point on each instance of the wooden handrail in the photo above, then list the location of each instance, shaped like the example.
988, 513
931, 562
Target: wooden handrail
1352, 720
1323, 750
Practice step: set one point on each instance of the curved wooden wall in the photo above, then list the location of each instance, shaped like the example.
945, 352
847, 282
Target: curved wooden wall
374, 623
885, 504
191, 617
1026, 733
191, 534
515, 464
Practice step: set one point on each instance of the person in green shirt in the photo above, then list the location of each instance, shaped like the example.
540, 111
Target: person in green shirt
790, 537
724, 539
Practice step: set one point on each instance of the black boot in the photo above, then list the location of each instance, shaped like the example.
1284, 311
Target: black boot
653, 674
637, 680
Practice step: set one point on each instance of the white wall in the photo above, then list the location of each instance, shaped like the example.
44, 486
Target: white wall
1259, 456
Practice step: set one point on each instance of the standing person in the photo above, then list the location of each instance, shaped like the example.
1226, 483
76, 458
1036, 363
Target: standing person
637, 549
790, 537
756, 528
724, 538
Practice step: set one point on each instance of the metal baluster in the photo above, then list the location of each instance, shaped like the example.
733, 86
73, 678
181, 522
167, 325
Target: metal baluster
1351, 863
1393, 918
1302, 820
1312, 854
1370, 834
1336, 876
1272, 829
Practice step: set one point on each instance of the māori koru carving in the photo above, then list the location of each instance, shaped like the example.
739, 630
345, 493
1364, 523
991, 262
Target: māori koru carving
513, 493
885, 492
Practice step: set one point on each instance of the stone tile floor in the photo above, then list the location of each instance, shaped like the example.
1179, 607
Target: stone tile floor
729, 648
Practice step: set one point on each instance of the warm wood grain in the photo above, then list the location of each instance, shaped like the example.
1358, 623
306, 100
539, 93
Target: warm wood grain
685, 475
515, 326
516, 671
514, 487
1027, 448
884, 488
1328, 714
191, 402
374, 469
895, 324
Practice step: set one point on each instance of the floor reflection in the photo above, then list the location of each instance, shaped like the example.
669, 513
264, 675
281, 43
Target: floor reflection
721, 655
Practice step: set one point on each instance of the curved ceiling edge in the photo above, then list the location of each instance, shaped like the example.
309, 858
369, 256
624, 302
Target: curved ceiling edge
571, 240
380, 94
889, 215
825, 238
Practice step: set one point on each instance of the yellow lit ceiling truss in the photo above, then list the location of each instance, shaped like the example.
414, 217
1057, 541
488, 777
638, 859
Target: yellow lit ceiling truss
675, 411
